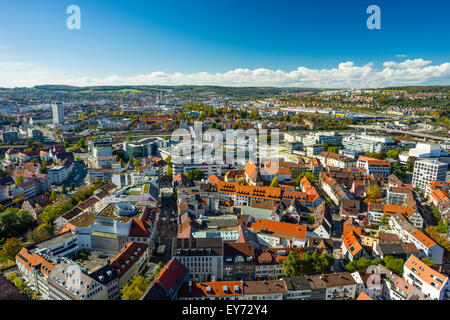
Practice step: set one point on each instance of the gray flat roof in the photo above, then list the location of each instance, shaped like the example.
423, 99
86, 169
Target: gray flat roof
54, 241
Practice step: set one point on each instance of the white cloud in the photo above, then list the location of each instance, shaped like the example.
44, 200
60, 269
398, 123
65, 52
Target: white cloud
401, 55
417, 63
346, 74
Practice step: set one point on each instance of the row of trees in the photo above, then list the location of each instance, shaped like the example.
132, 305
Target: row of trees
299, 176
441, 239
395, 265
21, 285
52, 212
442, 223
135, 289
309, 263
194, 175
331, 149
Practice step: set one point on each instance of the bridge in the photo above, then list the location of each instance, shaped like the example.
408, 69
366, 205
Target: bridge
391, 129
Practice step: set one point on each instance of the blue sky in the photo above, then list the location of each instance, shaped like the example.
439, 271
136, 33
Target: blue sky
129, 40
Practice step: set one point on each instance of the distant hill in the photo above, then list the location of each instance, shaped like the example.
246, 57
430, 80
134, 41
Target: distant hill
183, 90
427, 89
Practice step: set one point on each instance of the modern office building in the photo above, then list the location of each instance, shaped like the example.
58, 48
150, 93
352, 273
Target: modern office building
58, 174
143, 148
101, 142
331, 138
10, 136
426, 171
313, 150
423, 151
205, 168
368, 143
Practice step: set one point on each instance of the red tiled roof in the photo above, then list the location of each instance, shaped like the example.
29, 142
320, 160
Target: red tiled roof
172, 275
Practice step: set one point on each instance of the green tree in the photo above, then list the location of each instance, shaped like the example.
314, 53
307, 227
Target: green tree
12, 276
135, 289
399, 171
43, 231
11, 248
64, 189
309, 175
333, 149
53, 196
14, 222
128, 138
427, 261
324, 263
442, 226
274, 182
291, 266
20, 284
395, 265
393, 153
410, 163
157, 270
307, 265
362, 264
194, 175
44, 166
169, 172
137, 164
384, 220
373, 193
19, 180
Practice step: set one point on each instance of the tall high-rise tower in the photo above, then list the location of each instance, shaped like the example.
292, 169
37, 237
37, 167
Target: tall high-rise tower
58, 113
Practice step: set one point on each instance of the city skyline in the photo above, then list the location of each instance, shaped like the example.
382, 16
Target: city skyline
287, 44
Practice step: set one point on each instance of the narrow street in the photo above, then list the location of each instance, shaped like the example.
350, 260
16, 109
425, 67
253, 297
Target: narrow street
167, 230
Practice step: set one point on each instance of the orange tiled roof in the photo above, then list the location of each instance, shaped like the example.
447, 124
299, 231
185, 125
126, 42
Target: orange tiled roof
390, 209
374, 162
349, 227
436, 184
214, 179
425, 273
419, 235
295, 230
363, 296
251, 170
270, 193
352, 244
34, 260
439, 195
